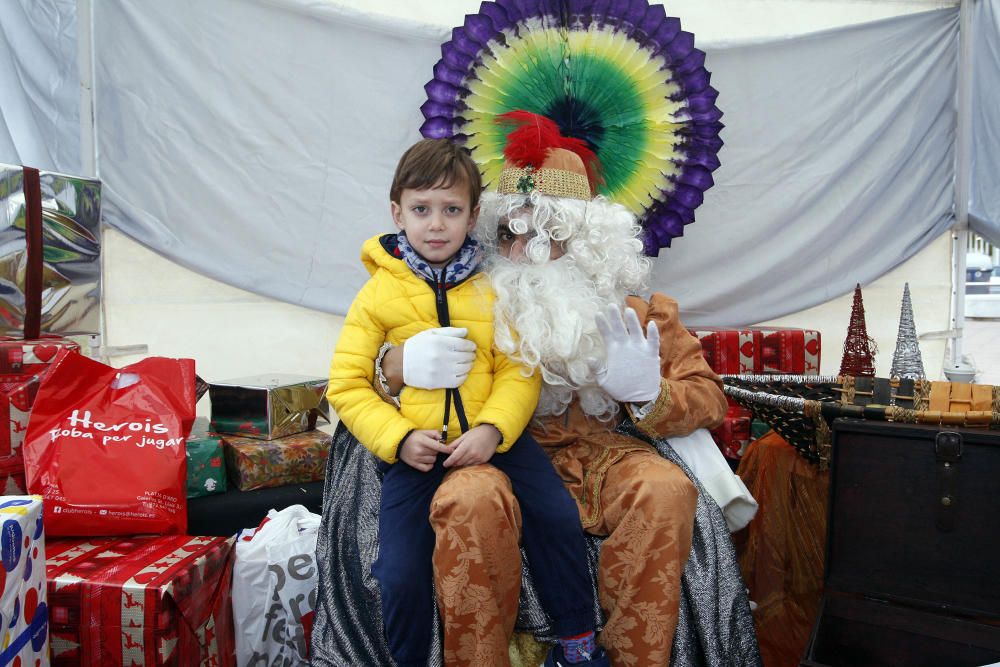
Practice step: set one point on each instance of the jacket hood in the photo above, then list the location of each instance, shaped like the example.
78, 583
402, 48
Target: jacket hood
381, 251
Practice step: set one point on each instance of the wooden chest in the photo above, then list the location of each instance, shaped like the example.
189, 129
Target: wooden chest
912, 571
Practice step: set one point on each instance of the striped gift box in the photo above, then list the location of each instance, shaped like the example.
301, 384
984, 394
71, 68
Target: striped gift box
153, 600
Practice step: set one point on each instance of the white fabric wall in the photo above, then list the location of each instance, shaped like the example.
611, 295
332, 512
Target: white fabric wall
267, 169
984, 208
232, 332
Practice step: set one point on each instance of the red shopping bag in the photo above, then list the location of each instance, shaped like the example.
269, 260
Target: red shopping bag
105, 446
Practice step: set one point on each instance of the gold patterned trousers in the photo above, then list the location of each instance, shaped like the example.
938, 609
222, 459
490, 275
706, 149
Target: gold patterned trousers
642, 503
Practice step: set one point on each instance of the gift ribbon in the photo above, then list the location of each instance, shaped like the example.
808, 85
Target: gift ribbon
33, 236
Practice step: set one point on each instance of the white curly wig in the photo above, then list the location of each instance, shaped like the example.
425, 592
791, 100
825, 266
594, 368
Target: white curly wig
546, 309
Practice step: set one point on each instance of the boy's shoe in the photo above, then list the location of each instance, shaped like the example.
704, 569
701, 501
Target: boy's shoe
556, 658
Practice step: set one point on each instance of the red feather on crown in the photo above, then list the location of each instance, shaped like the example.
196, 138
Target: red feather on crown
535, 135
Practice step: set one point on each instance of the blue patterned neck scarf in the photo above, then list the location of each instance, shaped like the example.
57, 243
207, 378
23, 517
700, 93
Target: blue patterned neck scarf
464, 264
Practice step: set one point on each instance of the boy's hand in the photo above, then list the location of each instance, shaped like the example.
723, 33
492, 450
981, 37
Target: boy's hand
420, 449
475, 446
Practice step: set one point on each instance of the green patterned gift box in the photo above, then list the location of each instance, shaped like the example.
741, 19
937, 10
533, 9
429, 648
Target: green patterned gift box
206, 470
258, 464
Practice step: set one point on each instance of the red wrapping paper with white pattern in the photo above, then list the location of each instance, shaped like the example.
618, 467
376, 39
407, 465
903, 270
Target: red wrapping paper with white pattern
755, 350
760, 350
22, 366
151, 601
733, 435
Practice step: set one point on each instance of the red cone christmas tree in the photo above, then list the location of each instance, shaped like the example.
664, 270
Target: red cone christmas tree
859, 348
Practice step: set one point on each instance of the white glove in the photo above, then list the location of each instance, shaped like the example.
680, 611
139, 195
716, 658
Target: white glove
438, 358
632, 371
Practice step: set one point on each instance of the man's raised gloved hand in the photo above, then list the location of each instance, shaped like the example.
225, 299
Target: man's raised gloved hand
631, 373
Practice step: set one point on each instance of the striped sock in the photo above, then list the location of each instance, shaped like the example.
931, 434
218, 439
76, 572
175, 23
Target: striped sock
579, 648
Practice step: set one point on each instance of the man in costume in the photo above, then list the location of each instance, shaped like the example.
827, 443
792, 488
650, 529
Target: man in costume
616, 385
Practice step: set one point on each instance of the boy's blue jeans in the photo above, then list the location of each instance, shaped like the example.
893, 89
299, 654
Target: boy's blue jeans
551, 535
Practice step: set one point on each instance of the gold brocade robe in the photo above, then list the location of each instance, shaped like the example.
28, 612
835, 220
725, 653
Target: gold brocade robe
641, 502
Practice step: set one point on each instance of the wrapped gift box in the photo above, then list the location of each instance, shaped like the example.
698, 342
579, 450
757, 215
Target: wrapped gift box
728, 351
32, 357
268, 406
12, 482
758, 428
23, 606
206, 468
733, 435
71, 239
754, 350
17, 394
760, 350
258, 464
206, 464
154, 600
49, 255
790, 351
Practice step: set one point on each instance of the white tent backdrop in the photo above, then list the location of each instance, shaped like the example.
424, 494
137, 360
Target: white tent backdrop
984, 211
39, 87
838, 152
254, 141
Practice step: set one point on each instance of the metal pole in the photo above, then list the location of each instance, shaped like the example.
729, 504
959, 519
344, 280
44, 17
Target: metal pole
963, 159
88, 142
85, 72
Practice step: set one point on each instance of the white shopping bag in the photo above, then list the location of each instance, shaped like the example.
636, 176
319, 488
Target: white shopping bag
274, 588
702, 456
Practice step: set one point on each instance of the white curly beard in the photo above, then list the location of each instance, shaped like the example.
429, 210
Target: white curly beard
552, 307
545, 309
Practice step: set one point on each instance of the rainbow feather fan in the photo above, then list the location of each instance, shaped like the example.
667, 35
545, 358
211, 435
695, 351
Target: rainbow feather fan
620, 75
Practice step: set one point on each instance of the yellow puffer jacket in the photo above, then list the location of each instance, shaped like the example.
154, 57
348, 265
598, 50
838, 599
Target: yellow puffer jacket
392, 306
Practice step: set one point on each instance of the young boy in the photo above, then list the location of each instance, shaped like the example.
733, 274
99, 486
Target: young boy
423, 278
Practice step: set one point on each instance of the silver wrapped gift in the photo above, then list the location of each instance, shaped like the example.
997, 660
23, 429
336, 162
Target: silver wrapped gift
71, 276
268, 406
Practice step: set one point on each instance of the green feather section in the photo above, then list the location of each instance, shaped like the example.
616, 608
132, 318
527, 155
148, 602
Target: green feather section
626, 96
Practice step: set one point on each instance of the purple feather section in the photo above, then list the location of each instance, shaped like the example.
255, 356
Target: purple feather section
465, 43
691, 62
479, 29
704, 157
432, 109
685, 214
712, 114
454, 57
647, 25
678, 47
518, 11
437, 128
645, 29
668, 30
636, 14
451, 76
690, 197
697, 177
496, 14
440, 91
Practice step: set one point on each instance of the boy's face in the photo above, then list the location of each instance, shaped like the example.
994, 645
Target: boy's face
436, 220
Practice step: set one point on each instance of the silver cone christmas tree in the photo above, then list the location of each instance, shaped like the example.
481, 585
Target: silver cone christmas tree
907, 363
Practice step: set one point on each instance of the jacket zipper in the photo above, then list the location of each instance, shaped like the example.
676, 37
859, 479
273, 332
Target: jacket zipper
444, 319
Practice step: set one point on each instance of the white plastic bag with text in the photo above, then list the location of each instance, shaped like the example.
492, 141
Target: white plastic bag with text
274, 589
